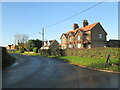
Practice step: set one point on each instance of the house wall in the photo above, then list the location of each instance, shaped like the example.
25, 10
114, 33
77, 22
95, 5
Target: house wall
8, 48
96, 41
63, 42
70, 42
54, 45
88, 35
13, 47
78, 43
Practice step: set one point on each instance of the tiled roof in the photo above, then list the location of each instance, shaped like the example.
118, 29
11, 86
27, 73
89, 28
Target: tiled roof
51, 40
86, 41
89, 27
86, 28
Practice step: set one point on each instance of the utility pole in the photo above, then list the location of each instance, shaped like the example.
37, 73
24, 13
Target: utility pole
43, 38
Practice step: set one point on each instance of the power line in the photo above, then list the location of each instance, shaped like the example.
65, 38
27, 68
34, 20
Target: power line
74, 15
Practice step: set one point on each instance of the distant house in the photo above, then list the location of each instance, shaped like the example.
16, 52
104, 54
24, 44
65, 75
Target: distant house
113, 43
51, 44
11, 47
88, 36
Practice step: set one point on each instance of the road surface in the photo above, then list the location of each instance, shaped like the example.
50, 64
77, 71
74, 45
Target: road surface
43, 72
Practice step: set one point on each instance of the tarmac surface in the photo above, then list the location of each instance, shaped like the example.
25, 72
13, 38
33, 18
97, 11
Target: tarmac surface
43, 72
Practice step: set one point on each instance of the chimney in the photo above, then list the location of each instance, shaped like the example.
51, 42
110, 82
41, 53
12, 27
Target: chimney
75, 26
84, 23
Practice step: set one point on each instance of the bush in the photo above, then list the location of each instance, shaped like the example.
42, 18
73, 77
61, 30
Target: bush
6, 58
35, 50
54, 52
93, 52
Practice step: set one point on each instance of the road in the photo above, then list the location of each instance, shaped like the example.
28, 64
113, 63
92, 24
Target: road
43, 72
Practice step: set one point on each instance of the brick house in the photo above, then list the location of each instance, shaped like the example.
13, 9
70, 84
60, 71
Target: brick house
11, 47
51, 44
88, 36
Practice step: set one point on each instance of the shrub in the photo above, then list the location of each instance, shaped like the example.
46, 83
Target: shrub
93, 52
6, 58
35, 50
53, 52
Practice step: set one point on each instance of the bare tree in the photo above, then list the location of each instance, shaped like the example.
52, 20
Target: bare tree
24, 38
17, 38
20, 40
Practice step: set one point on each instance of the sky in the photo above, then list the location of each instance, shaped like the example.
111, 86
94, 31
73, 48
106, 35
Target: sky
29, 17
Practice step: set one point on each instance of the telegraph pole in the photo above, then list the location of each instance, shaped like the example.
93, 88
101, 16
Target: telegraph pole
43, 38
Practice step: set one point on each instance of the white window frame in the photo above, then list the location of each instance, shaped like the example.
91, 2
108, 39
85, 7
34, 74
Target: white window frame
100, 36
79, 37
70, 46
44, 43
79, 45
70, 39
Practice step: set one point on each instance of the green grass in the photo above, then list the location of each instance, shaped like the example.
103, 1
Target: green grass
90, 62
97, 61
33, 54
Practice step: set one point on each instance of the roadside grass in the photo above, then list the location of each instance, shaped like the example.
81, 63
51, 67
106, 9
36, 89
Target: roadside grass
97, 63
33, 54
90, 62
14, 52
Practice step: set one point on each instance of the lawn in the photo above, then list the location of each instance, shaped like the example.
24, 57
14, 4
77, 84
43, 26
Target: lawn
91, 62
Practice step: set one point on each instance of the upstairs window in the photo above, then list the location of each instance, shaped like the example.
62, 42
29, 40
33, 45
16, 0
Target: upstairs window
78, 37
62, 40
100, 36
70, 39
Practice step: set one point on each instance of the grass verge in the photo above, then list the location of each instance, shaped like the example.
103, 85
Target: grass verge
93, 63
33, 54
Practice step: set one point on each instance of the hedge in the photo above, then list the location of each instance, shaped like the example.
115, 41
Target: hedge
93, 52
54, 52
6, 58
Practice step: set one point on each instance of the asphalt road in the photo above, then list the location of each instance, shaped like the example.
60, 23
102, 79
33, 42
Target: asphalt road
43, 72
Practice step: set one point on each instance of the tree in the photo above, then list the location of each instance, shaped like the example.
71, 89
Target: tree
33, 43
20, 40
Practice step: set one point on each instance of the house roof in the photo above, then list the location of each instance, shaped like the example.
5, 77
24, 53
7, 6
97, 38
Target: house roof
89, 27
86, 41
13, 45
50, 43
86, 28
51, 40
65, 34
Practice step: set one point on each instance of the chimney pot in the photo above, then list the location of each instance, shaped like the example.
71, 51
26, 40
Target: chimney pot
75, 26
84, 23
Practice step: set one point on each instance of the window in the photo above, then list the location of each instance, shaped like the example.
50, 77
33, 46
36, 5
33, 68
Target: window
79, 45
70, 46
100, 36
63, 47
78, 37
44, 43
62, 40
70, 39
